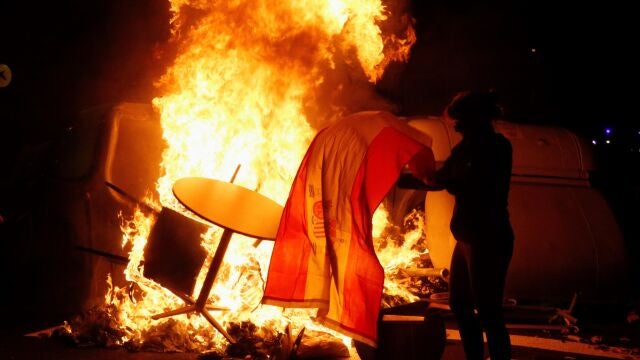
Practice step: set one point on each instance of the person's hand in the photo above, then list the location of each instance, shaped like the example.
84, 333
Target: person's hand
432, 185
408, 181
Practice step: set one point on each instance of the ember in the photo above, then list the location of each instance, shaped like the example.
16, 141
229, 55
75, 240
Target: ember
251, 340
96, 327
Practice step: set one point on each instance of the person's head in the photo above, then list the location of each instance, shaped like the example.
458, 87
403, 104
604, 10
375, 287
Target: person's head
473, 111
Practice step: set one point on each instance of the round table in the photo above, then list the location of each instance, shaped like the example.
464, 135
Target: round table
234, 208
230, 206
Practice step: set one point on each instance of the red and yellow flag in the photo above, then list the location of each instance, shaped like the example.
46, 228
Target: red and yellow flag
324, 255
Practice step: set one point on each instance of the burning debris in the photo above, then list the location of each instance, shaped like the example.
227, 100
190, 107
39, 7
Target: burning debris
96, 327
409, 273
407, 281
254, 342
99, 327
250, 84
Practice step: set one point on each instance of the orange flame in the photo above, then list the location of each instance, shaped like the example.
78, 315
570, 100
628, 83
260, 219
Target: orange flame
248, 81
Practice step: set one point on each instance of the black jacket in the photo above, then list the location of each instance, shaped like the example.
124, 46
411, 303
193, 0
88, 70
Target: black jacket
478, 174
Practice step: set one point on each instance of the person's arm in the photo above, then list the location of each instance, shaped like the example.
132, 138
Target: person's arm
453, 173
408, 181
419, 171
436, 182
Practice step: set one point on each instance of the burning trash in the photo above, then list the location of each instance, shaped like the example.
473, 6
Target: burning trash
250, 84
406, 281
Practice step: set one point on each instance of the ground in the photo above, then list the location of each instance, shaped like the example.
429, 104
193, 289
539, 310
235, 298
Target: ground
14, 345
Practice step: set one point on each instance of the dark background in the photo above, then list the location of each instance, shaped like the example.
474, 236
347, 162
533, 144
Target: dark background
569, 65
69, 55
566, 65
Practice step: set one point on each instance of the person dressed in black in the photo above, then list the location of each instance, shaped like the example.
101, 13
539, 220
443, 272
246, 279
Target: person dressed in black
478, 173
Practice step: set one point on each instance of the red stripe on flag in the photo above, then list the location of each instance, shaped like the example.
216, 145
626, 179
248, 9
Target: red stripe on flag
387, 154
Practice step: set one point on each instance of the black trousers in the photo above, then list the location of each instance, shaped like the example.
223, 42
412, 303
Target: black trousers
477, 278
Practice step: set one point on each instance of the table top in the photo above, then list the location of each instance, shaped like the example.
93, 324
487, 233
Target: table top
230, 206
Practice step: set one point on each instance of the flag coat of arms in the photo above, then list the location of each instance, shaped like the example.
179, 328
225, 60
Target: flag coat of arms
323, 255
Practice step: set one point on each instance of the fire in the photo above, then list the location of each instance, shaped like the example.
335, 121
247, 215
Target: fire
251, 83
398, 250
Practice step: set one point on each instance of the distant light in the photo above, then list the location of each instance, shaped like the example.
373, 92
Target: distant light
594, 142
533, 50
608, 141
607, 131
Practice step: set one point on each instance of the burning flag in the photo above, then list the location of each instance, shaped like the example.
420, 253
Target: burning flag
324, 255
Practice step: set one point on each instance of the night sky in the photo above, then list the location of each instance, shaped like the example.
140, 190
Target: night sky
561, 65
566, 65
553, 64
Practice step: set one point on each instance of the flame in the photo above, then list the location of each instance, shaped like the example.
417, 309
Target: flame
399, 251
250, 84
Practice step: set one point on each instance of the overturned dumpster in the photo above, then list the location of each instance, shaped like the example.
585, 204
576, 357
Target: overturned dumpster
567, 239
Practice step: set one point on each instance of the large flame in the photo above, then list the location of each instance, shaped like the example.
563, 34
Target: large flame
251, 83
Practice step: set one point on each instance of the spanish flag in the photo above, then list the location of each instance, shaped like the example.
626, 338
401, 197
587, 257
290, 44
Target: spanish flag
323, 255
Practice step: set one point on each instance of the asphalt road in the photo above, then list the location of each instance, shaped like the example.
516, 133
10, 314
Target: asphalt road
17, 346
